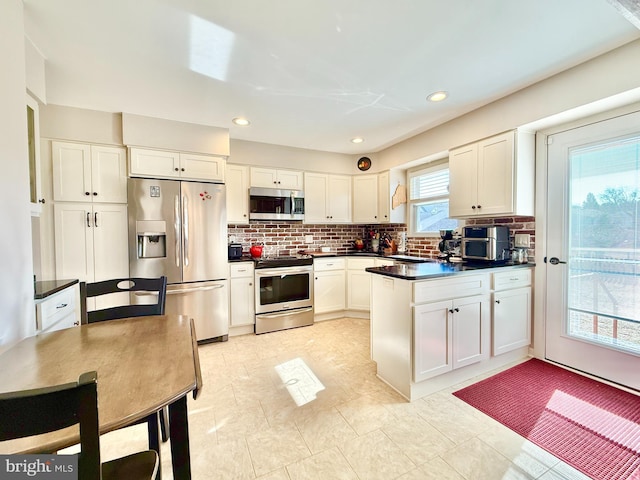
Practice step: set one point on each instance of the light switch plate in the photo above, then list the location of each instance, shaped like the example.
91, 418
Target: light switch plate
522, 240
308, 239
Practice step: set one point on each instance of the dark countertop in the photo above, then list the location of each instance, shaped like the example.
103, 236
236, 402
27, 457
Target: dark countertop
49, 287
436, 269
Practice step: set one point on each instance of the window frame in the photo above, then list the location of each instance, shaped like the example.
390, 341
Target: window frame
424, 169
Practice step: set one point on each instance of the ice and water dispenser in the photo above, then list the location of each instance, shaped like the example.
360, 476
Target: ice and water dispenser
152, 238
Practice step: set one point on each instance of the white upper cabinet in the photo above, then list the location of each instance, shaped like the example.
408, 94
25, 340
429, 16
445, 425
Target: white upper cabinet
384, 199
493, 177
89, 173
237, 193
365, 199
169, 164
275, 178
327, 198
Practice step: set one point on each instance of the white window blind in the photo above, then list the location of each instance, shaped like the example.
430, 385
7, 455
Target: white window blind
429, 200
430, 184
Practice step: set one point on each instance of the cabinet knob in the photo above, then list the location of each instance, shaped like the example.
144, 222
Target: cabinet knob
456, 309
451, 310
479, 206
497, 301
244, 214
75, 324
87, 193
95, 194
42, 201
251, 284
473, 207
182, 169
177, 169
316, 278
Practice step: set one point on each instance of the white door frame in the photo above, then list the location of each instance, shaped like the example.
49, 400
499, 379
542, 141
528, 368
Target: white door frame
540, 302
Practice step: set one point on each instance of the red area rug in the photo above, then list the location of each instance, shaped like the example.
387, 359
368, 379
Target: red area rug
590, 425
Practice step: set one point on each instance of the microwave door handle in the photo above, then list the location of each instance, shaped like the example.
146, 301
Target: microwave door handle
185, 229
177, 220
292, 206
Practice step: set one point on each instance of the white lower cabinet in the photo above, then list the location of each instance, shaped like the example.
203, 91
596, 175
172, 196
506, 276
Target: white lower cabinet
242, 294
511, 310
450, 334
329, 286
58, 311
359, 281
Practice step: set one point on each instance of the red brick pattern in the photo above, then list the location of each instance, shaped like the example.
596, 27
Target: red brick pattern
288, 238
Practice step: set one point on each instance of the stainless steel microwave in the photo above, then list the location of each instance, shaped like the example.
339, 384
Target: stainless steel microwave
275, 204
485, 243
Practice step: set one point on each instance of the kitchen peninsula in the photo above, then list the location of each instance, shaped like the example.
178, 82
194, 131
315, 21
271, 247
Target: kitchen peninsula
437, 324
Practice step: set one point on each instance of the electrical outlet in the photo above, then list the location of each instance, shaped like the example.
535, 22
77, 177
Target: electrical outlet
308, 239
522, 240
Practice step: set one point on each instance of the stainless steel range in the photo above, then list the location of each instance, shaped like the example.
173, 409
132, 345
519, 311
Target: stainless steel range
284, 293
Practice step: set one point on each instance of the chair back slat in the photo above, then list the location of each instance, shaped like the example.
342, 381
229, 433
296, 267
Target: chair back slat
157, 286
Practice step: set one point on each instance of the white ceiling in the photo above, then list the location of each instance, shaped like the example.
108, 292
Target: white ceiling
311, 73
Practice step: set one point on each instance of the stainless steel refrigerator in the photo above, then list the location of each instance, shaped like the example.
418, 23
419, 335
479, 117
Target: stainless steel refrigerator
179, 229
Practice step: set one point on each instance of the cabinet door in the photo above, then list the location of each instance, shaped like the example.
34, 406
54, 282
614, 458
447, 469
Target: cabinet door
470, 331
202, 167
237, 194
264, 177
290, 179
358, 290
339, 199
33, 144
384, 199
71, 164
511, 319
110, 240
154, 163
495, 175
316, 187
329, 291
365, 199
74, 241
432, 341
108, 174
242, 308
463, 181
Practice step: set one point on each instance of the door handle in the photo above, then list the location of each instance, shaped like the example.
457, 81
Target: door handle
180, 291
185, 230
88, 219
177, 220
553, 260
95, 219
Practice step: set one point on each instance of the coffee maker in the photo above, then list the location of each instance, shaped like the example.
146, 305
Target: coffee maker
449, 246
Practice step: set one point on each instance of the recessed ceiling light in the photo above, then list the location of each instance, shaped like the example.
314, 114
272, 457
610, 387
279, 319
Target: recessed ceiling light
357, 140
437, 96
243, 122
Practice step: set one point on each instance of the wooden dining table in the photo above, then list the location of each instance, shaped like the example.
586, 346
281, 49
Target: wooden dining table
143, 365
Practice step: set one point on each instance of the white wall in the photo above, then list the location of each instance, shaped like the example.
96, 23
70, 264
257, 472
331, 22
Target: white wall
264, 154
16, 280
604, 76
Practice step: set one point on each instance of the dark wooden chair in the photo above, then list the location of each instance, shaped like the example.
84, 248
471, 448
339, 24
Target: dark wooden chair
154, 287
42, 410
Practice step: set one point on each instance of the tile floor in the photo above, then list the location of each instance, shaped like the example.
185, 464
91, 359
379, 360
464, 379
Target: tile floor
246, 424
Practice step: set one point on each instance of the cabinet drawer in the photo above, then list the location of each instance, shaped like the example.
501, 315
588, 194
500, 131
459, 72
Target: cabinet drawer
441, 289
360, 263
326, 264
241, 269
55, 307
512, 279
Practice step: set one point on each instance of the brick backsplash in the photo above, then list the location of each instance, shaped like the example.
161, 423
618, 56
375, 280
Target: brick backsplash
287, 238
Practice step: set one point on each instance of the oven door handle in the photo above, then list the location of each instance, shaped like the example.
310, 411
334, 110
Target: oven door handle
269, 272
285, 313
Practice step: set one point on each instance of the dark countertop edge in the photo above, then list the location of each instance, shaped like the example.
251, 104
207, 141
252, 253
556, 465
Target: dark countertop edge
46, 288
373, 255
388, 271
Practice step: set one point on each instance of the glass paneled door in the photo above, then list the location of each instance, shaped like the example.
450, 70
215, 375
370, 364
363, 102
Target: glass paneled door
593, 249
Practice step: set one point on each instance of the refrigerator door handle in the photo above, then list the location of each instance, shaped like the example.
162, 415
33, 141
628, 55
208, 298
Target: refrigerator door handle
195, 289
176, 225
185, 229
